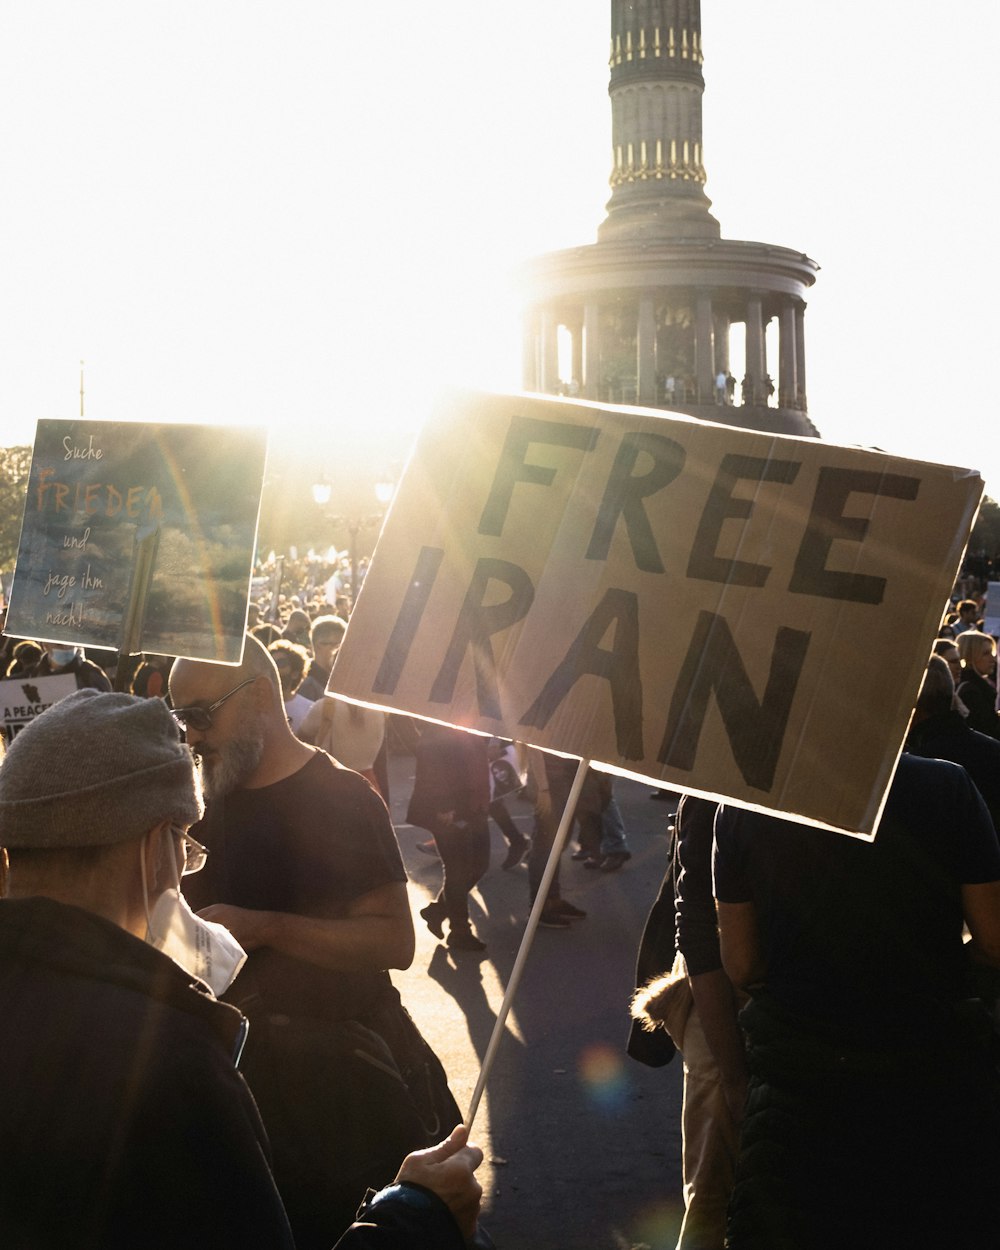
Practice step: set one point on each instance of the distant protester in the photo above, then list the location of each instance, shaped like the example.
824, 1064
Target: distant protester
24, 658
325, 639
976, 689
450, 799
968, 616
290, 660
60, 659
297, 627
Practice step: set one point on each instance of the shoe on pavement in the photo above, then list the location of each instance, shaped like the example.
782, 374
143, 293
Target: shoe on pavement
595, 861
614, 861
564, 908
580, 853
516, 853
433, 915
428, 848
551, 918
465, 940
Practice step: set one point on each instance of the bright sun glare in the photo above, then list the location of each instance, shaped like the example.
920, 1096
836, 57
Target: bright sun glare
285, 214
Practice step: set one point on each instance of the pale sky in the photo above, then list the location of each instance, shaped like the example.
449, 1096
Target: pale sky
262, 212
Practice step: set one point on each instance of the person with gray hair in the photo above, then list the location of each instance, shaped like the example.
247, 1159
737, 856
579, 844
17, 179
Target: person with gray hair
125, 1120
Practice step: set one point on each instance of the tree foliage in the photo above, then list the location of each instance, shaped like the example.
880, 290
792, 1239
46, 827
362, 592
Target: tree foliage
982, 555
985, 537
14, 465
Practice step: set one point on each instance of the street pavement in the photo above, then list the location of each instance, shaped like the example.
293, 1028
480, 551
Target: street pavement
582, 1143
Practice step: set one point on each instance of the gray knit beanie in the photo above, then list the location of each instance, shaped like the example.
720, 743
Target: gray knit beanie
94, 769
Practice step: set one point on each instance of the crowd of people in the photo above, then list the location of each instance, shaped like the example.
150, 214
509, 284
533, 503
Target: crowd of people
221, 855
239, 826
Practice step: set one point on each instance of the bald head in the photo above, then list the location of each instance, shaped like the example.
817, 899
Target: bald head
246, 741
200, 681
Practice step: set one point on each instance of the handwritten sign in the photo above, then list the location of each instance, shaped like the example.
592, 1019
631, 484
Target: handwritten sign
24, 698
738, 614
94, 488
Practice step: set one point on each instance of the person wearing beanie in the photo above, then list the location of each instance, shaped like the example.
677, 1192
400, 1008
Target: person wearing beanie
121, 769
125, 1121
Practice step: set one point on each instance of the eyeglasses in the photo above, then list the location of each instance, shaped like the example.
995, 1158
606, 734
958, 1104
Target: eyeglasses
200, 718
194, 853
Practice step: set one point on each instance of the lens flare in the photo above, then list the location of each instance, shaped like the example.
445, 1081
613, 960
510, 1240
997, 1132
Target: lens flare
603, 1075
659, 1224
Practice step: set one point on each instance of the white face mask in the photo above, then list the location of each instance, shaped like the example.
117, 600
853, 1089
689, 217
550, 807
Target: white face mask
204, 949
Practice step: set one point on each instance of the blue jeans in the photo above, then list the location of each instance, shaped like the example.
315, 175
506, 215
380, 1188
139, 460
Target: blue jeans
613, 839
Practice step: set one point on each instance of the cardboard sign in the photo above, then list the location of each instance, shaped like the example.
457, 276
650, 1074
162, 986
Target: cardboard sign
111, 504
24, 698
739, 614
991, 614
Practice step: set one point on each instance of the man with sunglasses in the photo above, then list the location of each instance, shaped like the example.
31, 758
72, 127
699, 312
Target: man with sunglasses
125, 1121
305, 871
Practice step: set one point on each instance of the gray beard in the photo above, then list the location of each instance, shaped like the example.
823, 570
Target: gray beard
231, 765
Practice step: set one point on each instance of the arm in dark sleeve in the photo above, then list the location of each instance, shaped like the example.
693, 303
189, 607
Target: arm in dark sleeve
977, 846
730, 883
697, 928
656, 955
403, 1221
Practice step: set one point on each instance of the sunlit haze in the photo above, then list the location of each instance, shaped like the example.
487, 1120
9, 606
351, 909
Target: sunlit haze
261, 212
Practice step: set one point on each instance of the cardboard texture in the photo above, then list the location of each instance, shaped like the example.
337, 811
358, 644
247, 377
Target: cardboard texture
739, 614
99, 493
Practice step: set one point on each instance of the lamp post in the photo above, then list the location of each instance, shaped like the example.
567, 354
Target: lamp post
322, 492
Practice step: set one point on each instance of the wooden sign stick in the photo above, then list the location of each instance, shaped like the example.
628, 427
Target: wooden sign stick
565, 824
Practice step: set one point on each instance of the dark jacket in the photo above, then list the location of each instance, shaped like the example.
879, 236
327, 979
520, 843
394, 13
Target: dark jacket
452, 775
125, 1122
980, 697
314, 684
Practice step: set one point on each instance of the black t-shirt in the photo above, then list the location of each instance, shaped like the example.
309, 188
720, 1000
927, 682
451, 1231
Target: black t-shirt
948, 737
308, 845
859, 933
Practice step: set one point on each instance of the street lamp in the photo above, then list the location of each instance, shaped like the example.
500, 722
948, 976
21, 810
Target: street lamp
322, 492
